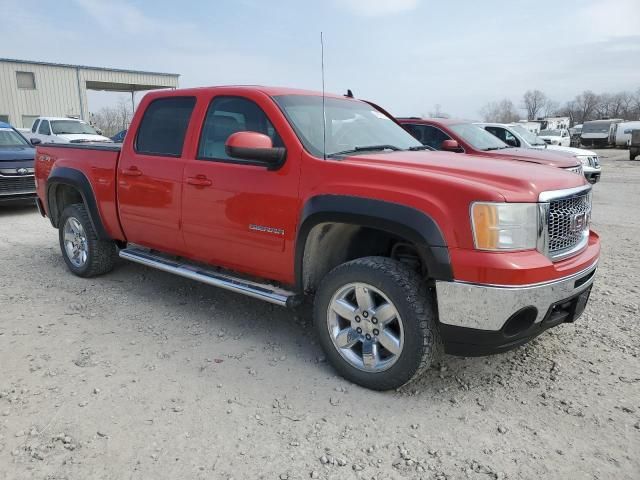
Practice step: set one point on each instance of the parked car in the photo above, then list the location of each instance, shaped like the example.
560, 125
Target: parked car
599, 133
634, 144
280, 194
623, 133
65, 130
464, 137
16, 165
575, 133
520, 137
556, 137
119, 137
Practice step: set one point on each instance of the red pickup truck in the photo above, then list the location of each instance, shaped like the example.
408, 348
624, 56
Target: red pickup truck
464, 137
405, 251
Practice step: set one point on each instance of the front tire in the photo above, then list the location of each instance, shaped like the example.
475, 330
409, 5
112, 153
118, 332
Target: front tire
83, 252
376, 322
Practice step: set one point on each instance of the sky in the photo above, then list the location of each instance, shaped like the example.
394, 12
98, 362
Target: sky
405, 55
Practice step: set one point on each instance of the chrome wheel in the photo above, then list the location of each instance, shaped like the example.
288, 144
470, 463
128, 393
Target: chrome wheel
75, 242
365, 327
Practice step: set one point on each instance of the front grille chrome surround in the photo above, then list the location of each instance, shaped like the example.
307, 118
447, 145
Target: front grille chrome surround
16, 185
565, 216
577, 169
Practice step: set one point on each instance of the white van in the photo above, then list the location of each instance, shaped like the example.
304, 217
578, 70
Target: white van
623, 132
65, 130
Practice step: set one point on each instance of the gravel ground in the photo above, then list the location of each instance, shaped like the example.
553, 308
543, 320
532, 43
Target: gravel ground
139, 374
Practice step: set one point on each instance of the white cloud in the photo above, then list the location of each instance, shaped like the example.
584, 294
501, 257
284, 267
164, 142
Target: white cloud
377, 8
610, 18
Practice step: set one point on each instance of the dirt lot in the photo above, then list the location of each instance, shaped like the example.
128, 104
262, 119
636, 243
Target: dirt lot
139, 374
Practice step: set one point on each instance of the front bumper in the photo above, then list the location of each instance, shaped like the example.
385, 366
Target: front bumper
478, 319
592, 174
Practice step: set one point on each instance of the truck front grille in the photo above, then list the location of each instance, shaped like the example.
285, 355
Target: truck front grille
16, 185
568, 224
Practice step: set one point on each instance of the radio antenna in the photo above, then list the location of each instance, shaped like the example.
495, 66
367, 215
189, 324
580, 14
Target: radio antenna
324, 113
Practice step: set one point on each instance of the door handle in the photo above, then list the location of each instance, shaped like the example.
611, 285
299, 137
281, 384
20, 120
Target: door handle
199, 181
132, 172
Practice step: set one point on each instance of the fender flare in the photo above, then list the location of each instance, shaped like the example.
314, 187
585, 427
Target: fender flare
79, 181
406, 222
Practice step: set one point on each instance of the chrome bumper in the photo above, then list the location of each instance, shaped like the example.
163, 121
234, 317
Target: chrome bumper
488, 307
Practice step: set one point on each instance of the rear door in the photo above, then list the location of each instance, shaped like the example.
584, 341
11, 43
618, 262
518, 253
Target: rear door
237, 213
150, 175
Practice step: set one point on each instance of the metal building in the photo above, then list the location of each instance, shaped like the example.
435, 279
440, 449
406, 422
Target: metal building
30, 89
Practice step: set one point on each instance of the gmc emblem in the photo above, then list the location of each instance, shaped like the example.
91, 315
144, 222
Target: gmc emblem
579, 222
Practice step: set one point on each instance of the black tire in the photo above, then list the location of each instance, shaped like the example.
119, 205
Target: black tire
413, 302
101, 254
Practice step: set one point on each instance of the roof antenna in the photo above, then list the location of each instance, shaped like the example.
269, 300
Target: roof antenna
324, 114
349, 93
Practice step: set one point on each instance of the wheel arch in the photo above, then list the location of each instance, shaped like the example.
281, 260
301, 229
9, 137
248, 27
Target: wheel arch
67, 185
331, 225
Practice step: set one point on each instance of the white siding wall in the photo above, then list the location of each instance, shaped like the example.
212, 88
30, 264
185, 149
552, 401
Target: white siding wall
56, 92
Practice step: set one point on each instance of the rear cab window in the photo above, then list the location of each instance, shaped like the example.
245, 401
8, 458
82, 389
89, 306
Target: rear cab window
164, 126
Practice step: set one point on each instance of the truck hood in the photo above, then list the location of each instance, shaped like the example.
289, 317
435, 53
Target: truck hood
572, 150
83, 137
541, 156
514, 180
9, 154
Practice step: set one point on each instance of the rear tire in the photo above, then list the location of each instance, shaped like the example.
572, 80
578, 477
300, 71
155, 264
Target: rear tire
84, 254
384, 353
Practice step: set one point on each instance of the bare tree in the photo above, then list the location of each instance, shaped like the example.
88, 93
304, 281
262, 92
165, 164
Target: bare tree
501, 112
437, 112
534, 102
586, 104
111, 120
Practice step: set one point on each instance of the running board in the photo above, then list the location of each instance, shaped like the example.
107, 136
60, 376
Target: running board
268, 293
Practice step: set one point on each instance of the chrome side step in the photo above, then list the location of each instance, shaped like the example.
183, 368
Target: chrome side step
268, 293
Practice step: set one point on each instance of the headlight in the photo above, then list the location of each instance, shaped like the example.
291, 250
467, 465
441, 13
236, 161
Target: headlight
584, 160
504, 226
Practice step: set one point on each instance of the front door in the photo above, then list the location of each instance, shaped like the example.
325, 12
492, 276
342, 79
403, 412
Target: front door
236, 213
150, 176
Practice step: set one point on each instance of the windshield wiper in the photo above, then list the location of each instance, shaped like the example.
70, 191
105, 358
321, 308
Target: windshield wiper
495, 148
367, 148
420, 147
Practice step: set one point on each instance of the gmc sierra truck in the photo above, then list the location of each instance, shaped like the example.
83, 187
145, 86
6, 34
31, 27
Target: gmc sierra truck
283, 194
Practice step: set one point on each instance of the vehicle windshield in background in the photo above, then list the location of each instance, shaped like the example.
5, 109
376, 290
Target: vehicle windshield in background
10, 138
478, 137
596, 127
529, 137
351, 126
62, 127
550, 133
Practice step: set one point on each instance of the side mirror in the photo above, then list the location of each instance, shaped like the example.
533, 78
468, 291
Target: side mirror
450, 146
35, 141
98, 131
257, 147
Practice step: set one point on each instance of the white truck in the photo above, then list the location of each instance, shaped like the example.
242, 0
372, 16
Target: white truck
65, 130
518, 136
560, 137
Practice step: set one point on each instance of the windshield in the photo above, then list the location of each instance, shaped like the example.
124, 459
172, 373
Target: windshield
11, 138
550, 133
528, 137
350, 125
61, 127
478, 137
596, 127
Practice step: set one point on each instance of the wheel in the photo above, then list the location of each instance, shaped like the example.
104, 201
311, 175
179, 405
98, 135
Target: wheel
632, 154
83, 252
376, 323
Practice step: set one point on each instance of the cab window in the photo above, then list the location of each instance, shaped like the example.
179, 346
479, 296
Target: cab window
226, 116
428, 135
44, 128
164, 126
